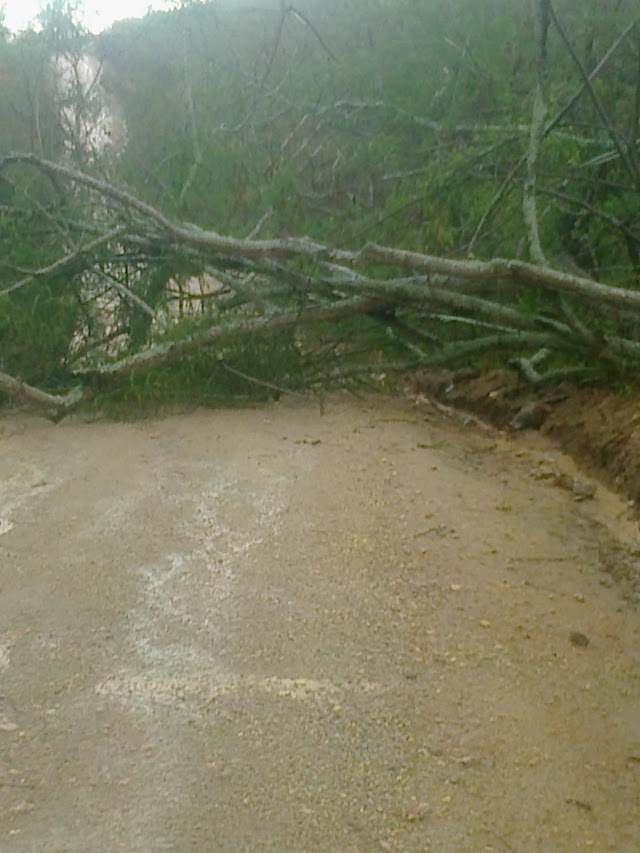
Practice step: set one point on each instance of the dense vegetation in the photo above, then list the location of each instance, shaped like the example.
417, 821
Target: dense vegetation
466, 129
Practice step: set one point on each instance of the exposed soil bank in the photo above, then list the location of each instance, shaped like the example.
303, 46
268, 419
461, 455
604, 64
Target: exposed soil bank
270, 630
598, 428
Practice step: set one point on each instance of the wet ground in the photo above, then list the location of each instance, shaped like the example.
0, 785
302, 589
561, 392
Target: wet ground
276, 630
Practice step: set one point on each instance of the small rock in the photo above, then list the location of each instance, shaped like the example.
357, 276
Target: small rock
531, 415
435, 747
581, 804
578, 639
583, 491
543, 473
22, 808
580, 489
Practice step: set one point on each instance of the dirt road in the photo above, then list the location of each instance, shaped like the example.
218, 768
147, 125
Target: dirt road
272, 630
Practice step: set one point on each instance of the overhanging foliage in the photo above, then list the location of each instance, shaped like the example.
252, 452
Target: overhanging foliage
526, 156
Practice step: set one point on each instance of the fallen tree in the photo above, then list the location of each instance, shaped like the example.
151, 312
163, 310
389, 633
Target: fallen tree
437, 310
103, 291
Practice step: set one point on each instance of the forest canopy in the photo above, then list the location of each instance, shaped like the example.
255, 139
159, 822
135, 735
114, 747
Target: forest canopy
217, 202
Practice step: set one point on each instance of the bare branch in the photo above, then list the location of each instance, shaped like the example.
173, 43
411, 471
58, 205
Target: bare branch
462, 350
193, 127
305, 20
58, 404
126, 293
61, 263
555, 121
529, 206
167, 352
551, 125
258, 226
516, 272
261, 383
284, 11
618, 143
191, 235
